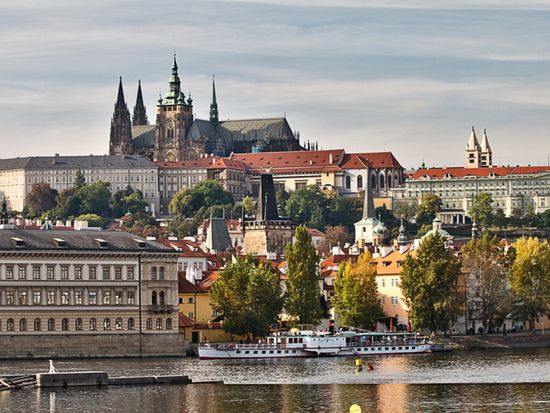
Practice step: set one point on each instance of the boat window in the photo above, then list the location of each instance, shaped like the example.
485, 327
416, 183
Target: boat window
246, 352
301, 340
238, 351
294, 351
255, 351
393, 348
263, 351
400, 348
387, 348
270, 351
406, 348
278, 351
413, 347
379, 348
286, 351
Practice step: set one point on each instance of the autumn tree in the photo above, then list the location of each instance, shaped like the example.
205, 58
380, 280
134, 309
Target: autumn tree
487, 266
530, 277
356, 295
41, 199
302, 300
428, 283
249, 297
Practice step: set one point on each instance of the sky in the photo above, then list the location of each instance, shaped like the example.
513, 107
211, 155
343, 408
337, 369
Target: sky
409, 76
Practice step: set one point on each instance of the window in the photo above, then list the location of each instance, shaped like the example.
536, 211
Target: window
118, 323
93, 324
107, 297
106, 273
50, 272
51, 324
10, 325
65, 324
64, 272
37, 297
131, 297
93, 273
23, 298
383, 282
359, 181
348, 182
78, 273
161, 273
36, 273
22, 272
37, 325
154, 298
154, 273
9, 272
106, 323
118, 297
78, 324
161, 298
64, 297
190, 300
383, 300
381, 181
92, 297
190, 315
169, 324
118, 273
373, 182
78, 297
50, 297
158, 324
130, 273
131, 324
23, 324
10, 298
149, 324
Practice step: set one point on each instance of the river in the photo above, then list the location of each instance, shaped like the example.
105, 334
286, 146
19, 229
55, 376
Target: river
462, 381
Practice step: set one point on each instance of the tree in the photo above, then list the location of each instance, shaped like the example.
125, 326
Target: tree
356, 295
338, 235
308, 206
428, 282
128, 200
431, 204
248, 296
344, 211
406, 209
488, 267
95, 199
530, 277
93, 220
481, 210
516, 217
249, 205
205, 194
41, 199
499, 219
68, 204
302, 301
182, 227
79, 180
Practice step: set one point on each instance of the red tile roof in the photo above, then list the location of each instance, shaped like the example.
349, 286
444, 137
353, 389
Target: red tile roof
186, 287
187, 248
184, 321
304, 160
460, 172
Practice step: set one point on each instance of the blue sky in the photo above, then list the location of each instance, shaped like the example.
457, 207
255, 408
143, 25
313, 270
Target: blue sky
411, 76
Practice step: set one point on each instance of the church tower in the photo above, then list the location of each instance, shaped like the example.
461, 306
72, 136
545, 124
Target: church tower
473, 151
174, 118
140, 114
486, 152
120, 140
214, 118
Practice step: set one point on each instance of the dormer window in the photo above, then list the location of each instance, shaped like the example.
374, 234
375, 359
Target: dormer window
101, 242
60, 242
141, 243
19, 243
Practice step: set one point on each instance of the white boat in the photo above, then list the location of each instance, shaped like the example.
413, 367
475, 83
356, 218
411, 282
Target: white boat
313, 344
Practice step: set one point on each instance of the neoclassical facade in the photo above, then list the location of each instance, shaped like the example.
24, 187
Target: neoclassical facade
89, 293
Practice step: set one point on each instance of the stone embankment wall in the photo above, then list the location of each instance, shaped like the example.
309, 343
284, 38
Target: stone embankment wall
120, 345
516, 340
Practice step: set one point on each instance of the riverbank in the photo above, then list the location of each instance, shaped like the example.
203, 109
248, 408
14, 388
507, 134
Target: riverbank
496, 341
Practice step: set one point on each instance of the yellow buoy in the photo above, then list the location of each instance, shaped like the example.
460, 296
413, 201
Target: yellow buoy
355, 408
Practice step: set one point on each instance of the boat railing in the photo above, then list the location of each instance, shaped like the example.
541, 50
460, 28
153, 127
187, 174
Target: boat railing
243, 346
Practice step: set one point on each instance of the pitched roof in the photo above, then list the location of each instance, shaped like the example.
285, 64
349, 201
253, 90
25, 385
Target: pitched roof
281, 161
254, 129
75, 162
460, 172
143, 136
184, 321
185, 247
185, 286
388, 264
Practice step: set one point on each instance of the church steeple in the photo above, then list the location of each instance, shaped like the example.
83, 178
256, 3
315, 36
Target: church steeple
473, 151
140, 114
120, 140
174, 95
486, 152
214, 104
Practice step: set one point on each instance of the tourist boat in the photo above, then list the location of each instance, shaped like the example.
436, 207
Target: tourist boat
314, 344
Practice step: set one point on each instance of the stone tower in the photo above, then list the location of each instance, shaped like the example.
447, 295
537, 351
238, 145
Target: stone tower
473, 151
486, 152
120, 140
174, 118
140, 114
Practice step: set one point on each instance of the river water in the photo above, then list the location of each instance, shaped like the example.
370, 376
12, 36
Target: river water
484, 381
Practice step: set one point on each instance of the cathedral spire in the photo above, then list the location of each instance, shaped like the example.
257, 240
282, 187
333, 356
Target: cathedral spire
214, 105
120, 139
174, 95
140, 114
120, 96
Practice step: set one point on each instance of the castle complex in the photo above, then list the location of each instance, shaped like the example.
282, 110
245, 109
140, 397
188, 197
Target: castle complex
178, 136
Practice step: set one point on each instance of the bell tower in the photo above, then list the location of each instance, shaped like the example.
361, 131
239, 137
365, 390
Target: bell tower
174, 118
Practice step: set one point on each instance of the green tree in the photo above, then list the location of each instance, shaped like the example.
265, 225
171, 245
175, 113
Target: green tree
500, 219
41, 199
530, 277
182, 227
79, 180
428, 283
205, 194
344, 211
431, 204
302, 301
248, 296
95, 199
488, 267
516, 217
126, 201
93, 220
481, 210
406, 209
356, 295
68, 204
249, 205
308, 206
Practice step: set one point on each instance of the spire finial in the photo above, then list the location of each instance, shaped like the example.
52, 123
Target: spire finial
214, 116
120, 95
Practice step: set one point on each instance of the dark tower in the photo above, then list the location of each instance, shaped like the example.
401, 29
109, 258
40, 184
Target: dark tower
140, 114
120, 141
214, 105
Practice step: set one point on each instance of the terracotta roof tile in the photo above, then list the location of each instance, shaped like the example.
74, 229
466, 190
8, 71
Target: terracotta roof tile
460, 172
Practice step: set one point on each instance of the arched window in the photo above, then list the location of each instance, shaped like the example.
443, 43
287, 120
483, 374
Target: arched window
65, 324
169, 324
373, 181
161, 273
11, 325
154, 298
359, 181
149, 324
37, 324
382, 181
161, 298
78, 324
389, 181
106, 323
158, 324
93, 324
348, 182
51, 324
23, 324
118, 323
131, 324
153, 273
